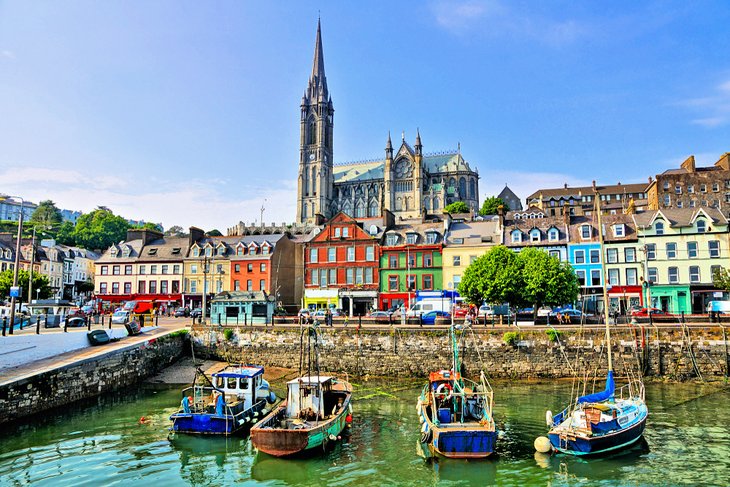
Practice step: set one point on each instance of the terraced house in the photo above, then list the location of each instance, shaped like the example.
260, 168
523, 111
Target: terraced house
464, 242
682, 249
410, 261
624, 267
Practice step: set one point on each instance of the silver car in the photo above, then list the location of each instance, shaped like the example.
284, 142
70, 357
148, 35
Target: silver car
120, 317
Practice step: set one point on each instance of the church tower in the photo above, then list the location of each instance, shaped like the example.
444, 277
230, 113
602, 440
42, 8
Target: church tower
316, 179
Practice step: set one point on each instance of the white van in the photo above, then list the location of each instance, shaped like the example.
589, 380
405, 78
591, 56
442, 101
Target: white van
426, 305
718, 307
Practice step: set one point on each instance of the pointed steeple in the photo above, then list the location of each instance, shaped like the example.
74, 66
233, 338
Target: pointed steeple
318, 81
389, 148
418, 146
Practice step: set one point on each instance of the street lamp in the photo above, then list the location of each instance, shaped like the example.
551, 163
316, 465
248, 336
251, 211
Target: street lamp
17, 260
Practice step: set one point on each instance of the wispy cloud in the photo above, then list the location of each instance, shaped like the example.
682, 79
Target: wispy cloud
205, 203
714, 109
492, 17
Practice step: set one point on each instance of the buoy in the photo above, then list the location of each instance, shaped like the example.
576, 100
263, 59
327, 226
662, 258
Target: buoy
549, 417
333, 437
542, 444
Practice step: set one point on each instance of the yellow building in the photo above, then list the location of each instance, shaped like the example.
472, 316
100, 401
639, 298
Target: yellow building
466, 241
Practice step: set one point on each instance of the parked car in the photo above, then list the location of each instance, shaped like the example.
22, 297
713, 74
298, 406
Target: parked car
380, 315
486, 310
120, 317
180, 313
76, 312
718, 307
395, 311
544, 311
648, 311
320, 314
196, 312
304, 312
429, 318
75, 322
88, 309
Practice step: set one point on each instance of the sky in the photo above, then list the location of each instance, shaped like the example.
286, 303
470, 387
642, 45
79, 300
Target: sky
187, 112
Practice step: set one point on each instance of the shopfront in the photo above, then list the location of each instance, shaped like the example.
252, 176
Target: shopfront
622, 299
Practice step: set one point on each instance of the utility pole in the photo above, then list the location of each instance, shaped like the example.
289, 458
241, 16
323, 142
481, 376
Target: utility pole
30, 273
17, 265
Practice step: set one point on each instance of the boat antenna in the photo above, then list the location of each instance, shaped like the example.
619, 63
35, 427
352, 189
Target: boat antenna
605, 295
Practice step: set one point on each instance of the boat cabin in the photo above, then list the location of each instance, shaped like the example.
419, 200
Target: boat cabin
312, 397
239, 383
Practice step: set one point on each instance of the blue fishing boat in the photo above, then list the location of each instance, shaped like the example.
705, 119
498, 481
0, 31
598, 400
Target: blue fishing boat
456, 413
604, 421
235, 399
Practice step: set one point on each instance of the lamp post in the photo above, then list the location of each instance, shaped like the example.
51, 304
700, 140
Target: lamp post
17, 261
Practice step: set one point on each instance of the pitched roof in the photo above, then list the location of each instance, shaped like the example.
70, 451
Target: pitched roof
679, 217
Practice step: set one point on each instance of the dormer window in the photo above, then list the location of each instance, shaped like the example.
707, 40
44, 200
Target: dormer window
659, 228
619, 230
113, 252
585, 232
701, 226
411, 238
265, 249
252, 248
125, 252
208, 251
337, 232
221, 250
516, 236
196, 252
391, 239
239, 250
534, 235
431, 237
553, 235
345, 232
152, 252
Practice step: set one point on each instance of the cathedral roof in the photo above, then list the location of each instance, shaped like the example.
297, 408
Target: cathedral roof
369, 170
444, 162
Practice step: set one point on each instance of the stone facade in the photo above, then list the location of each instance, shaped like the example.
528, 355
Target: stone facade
692, 187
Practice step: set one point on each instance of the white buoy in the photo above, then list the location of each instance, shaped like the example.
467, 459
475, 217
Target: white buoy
542, 444
549, 417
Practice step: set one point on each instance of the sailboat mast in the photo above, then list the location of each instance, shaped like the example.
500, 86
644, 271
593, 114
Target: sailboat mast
605, 274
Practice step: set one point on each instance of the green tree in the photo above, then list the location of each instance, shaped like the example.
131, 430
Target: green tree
491, 204
495, 277
39, 282
457, 207
175, 231
721, 279
46, 214
99, 229
547, 281
214, 233
151, 226
65, 234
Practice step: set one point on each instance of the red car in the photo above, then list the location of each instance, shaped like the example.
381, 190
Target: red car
647, 311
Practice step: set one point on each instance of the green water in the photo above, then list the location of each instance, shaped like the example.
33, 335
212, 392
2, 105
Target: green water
687, 442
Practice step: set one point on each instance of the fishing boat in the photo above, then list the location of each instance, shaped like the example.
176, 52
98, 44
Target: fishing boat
605, 421
232, 401
456, 413
316, 410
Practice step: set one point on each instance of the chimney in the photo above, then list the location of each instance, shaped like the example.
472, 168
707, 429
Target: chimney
500, 212
144, 234
651, 179
689, 164
565, 185
724, 162
594, 185
195, 235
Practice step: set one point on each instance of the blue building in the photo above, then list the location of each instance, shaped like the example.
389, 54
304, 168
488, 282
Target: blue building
242, 307
584, 254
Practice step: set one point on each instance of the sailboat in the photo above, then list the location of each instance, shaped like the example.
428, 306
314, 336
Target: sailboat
316, 410
456, 413
604, 421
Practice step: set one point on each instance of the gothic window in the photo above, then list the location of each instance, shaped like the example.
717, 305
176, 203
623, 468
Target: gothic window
305, 182
347, 208
314, 181
452, 183
398, 204
427, 203
373, 208
304, 210
360, 209
472, 189
311, 131
314, 212
462, 188
436, 203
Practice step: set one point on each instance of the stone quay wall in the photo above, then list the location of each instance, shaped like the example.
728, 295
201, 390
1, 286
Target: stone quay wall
58, 387
672, 353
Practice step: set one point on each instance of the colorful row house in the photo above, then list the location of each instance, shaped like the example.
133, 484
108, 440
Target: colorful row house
624, 269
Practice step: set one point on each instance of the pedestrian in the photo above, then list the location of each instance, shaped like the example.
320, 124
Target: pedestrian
328, 317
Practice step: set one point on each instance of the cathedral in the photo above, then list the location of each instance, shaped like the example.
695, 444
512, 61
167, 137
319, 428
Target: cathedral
406, 182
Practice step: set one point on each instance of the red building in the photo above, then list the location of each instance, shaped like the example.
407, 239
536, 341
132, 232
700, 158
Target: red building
341, 265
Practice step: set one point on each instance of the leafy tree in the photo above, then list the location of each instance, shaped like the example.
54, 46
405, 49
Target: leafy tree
85, 286
214, 233
721, 279
99, 229
151, 226
65, 234
457, 207
491, 204
175, 231
39, 282
46, 214
528, 278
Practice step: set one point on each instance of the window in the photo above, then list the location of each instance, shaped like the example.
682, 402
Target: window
392, 283
196, 252
673, 275
412, 260
220, 250
652, 274
345, 232
350, 254
208, 251
678, 189
612, 255
619, 230
393, 261
554, 253
193, 269
427, 281
370, 253
595, 256
176, 269
249, 267
358, 275
431, 237
163, 286
115, 288
368, 275
323, 278
714, 270
690, 188
427, 260
237, 268
613, 277
337, 232
315, 277
333, 276
411, 238
127, 288
659, 228
127, 270
703, 188
249, 285
692, 250
218, 268
236, 285
666, 186
262, 285
115, 270
457, 260
141, 287
516, 236
629, 254
651, 251
262, 267
411, 280
581, 275
153, 269
585, 231
239, 251
331, 254
350, 275
105, 270
312, 255
694, 273
102, 288
391, 239
631, 276
193, 286
671, 250
701, 226
579, 256
714, 246
165, 268
153, 287
553, 234
534, 235
595, 277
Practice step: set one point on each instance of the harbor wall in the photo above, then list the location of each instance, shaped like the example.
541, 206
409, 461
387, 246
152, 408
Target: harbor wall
59, 387
672, 353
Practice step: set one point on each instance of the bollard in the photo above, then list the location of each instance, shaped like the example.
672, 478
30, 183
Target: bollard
244, 319
21, 322
5, 324
88, 323
157, 319
219, 319
65, 324
38, 325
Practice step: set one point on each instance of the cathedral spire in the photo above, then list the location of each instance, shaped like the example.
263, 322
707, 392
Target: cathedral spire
318, 80
418, 141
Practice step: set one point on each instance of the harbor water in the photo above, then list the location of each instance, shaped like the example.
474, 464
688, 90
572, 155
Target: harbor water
687, 441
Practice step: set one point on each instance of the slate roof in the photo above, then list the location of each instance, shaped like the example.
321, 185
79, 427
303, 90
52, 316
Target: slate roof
368, 170
578, 191
542, 224
419, 228
680, 217
474, 233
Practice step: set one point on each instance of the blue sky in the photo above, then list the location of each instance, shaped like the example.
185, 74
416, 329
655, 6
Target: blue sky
187, 113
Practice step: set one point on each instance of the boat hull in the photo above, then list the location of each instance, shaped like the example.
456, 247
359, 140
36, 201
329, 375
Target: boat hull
466, 443
595, 445
212, 424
